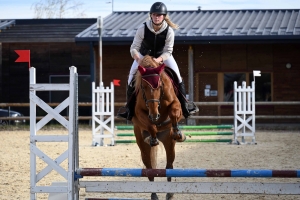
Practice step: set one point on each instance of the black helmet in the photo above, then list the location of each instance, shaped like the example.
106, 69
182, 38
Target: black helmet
159, 8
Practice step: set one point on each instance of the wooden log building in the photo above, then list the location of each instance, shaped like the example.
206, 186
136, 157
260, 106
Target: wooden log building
213, 48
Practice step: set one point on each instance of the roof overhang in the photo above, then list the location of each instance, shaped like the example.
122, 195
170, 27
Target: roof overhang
197, 39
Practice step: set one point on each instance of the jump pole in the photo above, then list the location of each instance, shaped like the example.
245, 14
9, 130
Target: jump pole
131, 172
187, 140
187, 133
186, 127
190, 187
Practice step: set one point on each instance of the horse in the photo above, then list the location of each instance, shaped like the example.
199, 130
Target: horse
157, 114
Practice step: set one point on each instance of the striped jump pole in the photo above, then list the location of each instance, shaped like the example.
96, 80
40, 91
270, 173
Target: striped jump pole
185, 127
247, 173
189, 187
187, 140
187, 134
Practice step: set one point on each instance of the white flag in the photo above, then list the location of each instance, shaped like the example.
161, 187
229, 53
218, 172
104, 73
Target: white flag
256, 73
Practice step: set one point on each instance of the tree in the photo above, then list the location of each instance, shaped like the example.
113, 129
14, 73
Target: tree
57, 9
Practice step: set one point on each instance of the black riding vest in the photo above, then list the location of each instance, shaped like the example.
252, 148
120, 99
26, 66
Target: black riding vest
153, 44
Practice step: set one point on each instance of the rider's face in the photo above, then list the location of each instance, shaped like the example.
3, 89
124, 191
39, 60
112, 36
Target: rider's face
157, 18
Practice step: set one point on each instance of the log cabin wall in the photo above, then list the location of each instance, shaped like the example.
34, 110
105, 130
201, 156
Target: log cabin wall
48, 59
209, 61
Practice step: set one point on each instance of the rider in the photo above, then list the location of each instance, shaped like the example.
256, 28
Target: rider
156, 38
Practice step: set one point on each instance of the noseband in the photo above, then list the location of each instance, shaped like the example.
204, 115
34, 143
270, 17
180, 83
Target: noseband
160, 87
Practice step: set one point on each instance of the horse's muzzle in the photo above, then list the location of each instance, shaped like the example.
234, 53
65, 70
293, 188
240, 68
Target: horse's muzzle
154, 117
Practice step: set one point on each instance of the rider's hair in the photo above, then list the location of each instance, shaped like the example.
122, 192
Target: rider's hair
169, 21
172, 24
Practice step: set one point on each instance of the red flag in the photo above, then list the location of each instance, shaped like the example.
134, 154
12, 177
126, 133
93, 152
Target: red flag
24, 56
116, 82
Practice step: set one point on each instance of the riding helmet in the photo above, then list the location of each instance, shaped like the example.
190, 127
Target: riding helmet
159, 8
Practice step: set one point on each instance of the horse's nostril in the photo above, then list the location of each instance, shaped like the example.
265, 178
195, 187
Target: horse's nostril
158, 116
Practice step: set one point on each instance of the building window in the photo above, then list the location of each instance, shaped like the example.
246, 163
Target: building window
263, 86
263, 91
229, 79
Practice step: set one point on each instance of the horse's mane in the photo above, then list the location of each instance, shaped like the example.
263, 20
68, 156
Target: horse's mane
137, 81
146, 62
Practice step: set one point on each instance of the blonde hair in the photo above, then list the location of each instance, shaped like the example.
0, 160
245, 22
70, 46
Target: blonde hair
172, 24
169, 21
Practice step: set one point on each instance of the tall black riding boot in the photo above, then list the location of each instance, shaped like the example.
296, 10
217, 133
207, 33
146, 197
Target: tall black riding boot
131, 98
188, 107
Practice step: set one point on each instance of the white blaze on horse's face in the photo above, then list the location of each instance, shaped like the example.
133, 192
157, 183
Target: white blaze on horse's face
153, 105
152, 101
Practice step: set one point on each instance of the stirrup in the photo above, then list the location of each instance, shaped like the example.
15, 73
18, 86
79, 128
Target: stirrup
123, 114
192, 108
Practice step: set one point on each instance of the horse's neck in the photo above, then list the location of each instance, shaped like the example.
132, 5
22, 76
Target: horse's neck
168, 85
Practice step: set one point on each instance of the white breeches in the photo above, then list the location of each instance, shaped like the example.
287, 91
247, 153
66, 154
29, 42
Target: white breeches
170, 62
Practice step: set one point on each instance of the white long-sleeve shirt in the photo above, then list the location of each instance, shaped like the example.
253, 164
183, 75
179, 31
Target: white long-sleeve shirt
139, 37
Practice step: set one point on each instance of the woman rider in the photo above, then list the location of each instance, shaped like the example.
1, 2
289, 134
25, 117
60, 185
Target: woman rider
155, 38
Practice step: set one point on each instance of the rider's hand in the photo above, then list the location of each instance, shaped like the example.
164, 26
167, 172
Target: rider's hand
158, 60
137, 59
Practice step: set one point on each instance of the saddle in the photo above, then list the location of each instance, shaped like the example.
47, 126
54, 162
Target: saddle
174, 79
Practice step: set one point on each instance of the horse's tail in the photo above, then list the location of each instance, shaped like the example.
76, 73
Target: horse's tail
153, 156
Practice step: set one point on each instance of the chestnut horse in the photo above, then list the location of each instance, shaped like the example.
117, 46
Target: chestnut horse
157, 113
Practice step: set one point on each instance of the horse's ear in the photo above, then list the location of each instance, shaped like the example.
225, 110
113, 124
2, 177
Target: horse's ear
160, 68
142, 70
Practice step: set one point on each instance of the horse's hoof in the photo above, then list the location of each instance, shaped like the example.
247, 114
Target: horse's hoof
182, 138
154, 196
170, 196
147, 140
178, 136
153, 142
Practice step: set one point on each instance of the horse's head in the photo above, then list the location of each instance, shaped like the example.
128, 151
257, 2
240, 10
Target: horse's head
152, 89
148, 61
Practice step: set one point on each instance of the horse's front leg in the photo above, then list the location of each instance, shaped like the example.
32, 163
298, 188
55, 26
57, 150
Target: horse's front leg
177, 134
169, 145
148, 126
175, 115
152, 129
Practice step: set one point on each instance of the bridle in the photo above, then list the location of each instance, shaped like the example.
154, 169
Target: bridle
160, 87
